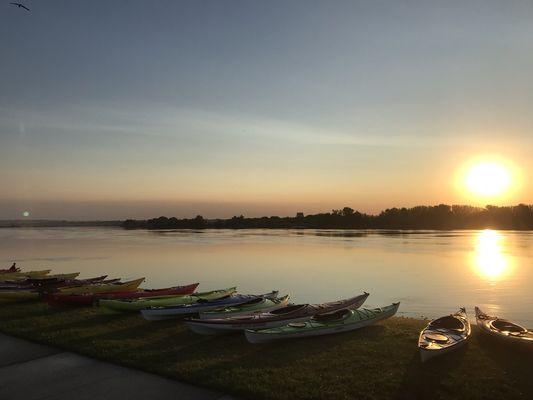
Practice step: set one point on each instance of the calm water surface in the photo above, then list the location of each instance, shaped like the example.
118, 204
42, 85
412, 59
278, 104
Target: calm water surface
431, 273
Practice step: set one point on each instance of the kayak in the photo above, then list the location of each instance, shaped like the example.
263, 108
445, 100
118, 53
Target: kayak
51, 285
87, 299
45, 283
503, 329
7, 276
15, 284
169, 312
25, 274
148, 293
129, 286
273, 319
444, 335
51, 279
161, 301
343, 320
254, 306
19, 294
58, 277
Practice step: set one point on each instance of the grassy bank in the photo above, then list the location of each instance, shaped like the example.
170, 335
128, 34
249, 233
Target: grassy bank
378, 362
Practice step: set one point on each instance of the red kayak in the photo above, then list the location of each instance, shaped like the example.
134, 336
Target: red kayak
88, 299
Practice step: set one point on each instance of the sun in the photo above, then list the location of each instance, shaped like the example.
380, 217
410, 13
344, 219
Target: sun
488, 179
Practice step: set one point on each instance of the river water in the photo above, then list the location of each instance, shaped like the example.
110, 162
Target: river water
431, 272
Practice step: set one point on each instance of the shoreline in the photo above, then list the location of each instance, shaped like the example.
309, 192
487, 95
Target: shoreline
391, 230
422, 217
382, 358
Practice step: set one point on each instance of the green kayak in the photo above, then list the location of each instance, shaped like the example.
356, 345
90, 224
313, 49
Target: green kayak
254, 306
343, 320
164, 301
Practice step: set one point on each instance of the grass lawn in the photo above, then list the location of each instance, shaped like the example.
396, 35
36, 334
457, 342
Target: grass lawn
378, 362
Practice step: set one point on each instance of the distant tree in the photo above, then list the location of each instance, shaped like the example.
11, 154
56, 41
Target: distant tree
130, 224
347, 211
199, 222
441, 216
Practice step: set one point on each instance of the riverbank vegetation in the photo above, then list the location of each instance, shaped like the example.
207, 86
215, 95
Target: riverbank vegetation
443, 216
378, 362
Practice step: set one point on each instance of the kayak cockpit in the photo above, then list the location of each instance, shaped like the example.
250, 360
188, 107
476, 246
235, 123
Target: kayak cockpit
258, 300
333, 316
448, 322
506, 326
288, 309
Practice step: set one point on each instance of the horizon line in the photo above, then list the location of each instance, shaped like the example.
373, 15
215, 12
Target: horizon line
27, 220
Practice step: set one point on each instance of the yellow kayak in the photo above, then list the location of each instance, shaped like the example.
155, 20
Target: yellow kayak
12, 276
129, 286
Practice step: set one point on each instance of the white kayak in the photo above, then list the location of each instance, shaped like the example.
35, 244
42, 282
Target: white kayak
179, 311
324, 324
272, 319
503, 329
444, 335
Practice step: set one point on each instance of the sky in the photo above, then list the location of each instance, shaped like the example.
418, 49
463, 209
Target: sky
135, 109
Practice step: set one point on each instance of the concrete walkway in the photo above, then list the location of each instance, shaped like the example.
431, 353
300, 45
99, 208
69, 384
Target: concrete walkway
31, 371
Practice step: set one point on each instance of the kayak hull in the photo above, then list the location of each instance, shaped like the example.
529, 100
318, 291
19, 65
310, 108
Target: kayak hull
243, 310
220, 329
136, 305
358, 319
427, 354
58, 277
88, 299
147, 293
19, 294
180, 311
13, 276
129, 286
52, 280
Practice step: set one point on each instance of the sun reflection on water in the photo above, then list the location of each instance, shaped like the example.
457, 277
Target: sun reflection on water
490, 260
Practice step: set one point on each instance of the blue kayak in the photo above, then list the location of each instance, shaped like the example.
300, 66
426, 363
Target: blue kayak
159, 313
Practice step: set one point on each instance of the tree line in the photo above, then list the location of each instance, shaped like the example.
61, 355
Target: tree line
442, 216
